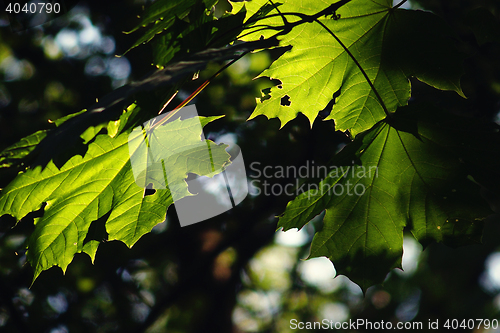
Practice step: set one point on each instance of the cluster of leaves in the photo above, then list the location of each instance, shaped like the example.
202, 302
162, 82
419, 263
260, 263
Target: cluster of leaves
419, 166
427, 160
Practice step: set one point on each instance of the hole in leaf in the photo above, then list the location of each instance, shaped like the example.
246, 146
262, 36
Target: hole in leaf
285, 101
149, 190
67, 150
97, 230
336, 95
280, 86
328, 108
28, 221
266, 94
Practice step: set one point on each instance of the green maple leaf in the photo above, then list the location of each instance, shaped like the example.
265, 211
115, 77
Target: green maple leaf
202, 31
101, 184
199, 31
389, 44
156, 160
18, 151
162, 15
410, 171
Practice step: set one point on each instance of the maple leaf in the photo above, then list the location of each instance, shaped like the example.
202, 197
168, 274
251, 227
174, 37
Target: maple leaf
381, 48
101, 184
412, 171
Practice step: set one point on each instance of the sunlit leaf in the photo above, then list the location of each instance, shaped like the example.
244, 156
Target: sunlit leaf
15, 153
162, 15
390, 45
99, 184
410, 171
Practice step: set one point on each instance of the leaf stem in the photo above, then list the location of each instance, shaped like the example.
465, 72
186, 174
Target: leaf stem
359, 66
195, 93
285, 21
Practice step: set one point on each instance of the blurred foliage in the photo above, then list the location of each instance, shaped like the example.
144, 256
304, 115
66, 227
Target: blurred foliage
232, 273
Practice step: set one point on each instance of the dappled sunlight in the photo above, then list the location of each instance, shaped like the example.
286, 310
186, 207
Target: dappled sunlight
292, 237
83, 40
58, 303
256, 309
15, 69
490, 279
320, 273
408, 309
336, 312
270, 268
411, 254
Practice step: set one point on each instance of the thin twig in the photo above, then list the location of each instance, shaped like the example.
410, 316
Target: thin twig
304, 18
196, 92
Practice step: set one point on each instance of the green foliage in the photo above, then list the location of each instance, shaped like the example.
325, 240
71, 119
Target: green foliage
410, 167
162, 15
197, 34
390, 45
201, 30
173, 148
15, 153
411, 170
101, 185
